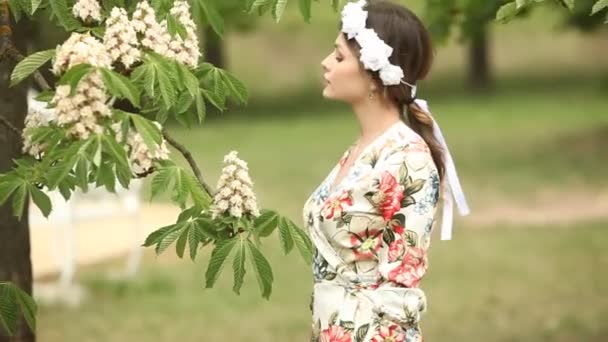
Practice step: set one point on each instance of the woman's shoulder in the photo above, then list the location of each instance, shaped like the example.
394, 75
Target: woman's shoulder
406, 146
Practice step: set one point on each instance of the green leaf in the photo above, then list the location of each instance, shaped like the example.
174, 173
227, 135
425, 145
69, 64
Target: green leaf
155, 237
60, 170
569, 4
212, 15
167, 90
506, 12
285, 235
207, 227
216, 263
105, 176
63, 13
236, 87
162, 180
180, 245
520, 3
174, 26
74, 75
188, 79
28, 307
168, 238
195, 236
16, 9
201, 108
302, 242
600, 5
34, 6
120, 86
40, 199
30, 64
115, 150
148, 130
266, 223
262, 270
238, 266
199, 196
19, 200
278, 9
8, 184
82, 174
145, 75
8, 307
305, 9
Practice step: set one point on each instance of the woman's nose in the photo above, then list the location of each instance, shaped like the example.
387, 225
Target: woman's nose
324, 64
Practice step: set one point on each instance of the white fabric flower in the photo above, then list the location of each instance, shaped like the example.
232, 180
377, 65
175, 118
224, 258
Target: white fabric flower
391, 74
353, 18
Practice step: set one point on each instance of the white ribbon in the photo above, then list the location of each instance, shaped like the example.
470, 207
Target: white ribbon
453, 188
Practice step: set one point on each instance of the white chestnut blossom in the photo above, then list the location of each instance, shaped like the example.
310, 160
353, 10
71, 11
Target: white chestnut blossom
84, 9
81, 48
140, 156
120, 38
235, 194
185, 50
156, 35
81, 111
38, 116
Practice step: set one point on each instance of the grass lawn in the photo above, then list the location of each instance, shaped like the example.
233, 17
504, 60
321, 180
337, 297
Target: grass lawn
500, 284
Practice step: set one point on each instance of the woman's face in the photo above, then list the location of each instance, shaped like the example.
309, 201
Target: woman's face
343, 77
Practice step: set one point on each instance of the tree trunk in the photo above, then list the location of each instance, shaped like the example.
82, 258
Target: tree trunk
15, 262
480, 77
214, 48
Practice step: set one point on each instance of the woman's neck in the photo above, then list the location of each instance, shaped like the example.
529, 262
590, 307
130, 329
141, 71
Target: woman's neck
374, 117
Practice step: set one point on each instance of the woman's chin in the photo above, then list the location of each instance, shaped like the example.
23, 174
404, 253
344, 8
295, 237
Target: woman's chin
327, 92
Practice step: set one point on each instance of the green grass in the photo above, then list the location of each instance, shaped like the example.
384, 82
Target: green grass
504, 284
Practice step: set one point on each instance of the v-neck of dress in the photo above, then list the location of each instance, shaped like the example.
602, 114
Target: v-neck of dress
333, 186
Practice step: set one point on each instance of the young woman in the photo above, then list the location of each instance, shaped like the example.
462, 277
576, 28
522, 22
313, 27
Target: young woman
371, 219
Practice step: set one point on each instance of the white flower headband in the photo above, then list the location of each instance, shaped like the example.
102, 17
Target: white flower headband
375, 55
374, 51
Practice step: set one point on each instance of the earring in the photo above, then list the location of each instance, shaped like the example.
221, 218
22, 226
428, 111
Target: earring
371, 96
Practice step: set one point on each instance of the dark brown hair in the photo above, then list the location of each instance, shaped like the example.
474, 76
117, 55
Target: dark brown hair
402, 30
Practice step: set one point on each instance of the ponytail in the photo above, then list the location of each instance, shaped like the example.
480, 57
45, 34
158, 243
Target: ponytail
422, 124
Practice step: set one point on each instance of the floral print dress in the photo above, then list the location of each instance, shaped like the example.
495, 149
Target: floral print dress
371, 234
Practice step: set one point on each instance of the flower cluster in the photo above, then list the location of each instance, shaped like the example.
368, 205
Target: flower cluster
234, 189
120, 38
156, 35
81, 48
374, 52
84, 9
38, 116
81, 111
140, 156
185, 50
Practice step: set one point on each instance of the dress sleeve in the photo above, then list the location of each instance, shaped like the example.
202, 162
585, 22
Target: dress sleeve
405, 192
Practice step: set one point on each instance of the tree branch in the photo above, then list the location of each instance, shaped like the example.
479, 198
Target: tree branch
188, 156
10, 126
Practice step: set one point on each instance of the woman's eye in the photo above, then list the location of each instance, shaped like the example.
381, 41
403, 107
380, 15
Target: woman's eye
339, 59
